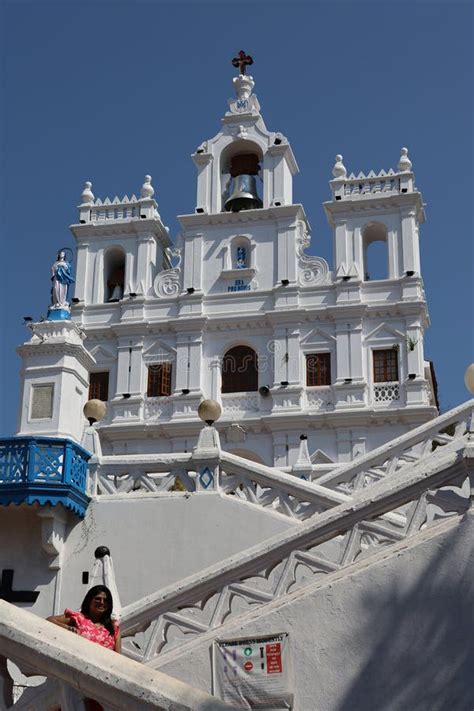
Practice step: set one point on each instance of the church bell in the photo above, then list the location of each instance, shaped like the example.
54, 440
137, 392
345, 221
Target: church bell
244, 194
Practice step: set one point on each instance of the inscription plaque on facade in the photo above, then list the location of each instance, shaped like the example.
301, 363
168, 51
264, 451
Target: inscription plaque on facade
41, 402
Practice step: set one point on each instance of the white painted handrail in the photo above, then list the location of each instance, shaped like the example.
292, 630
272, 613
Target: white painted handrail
112, 679
405, 450
269, 570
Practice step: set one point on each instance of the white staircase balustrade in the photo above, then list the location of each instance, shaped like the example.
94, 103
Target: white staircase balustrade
432, 490
252, 482
78, 669
404, 451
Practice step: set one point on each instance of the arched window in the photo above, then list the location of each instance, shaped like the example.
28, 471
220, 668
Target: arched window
114, 274
240, 370
374, 240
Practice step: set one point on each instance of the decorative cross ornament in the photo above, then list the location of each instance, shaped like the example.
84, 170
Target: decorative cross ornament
241, 61
6, 592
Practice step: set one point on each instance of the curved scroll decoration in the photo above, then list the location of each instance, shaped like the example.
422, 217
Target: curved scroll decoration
312, 270
167, 282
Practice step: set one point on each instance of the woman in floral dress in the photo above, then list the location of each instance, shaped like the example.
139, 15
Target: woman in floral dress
94, 622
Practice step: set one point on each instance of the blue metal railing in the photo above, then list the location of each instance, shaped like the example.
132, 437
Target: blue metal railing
44, 470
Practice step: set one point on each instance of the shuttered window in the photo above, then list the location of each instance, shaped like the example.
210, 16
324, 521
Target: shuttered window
318, 369
99, 386
385, 365
240, 370
159, 380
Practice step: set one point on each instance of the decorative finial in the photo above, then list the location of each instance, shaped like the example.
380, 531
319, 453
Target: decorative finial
241, 61
404, 164
339, 170
147, 188
87, 195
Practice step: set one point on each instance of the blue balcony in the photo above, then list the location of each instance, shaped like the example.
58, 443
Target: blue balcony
44, 470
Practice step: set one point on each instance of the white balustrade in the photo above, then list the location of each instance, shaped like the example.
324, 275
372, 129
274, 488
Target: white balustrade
386, 392
240, 403
79, 669
199, 607
452, 429
157, 408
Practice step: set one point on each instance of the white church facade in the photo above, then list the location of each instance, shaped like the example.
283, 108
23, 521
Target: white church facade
235, 310
265, 483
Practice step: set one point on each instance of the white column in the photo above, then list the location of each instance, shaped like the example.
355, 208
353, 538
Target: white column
97, 296
216, 379
195, 360
123, 364
136, 369
342, 351
294, 360
82, 271
280, 365
356, 371
146, 256
182, 363
410, 246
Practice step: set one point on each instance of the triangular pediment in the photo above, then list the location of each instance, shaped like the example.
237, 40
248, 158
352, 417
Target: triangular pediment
384, 332
317, 336
158, 352
320, 457
103, 354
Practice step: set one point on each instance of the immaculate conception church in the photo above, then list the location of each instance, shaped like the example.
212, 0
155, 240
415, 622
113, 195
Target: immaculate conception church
243, 443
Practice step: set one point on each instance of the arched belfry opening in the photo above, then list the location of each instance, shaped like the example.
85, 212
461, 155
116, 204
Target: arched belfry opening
375, 249
114, 274
241, 177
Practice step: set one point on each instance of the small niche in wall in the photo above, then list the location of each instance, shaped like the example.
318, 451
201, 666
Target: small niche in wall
85, 577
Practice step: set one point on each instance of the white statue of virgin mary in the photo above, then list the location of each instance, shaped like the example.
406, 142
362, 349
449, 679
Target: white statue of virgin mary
61, 278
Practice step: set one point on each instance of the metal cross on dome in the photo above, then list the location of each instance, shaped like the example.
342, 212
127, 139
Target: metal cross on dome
241, 61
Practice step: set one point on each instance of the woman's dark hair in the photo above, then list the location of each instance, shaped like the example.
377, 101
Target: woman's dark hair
106, 616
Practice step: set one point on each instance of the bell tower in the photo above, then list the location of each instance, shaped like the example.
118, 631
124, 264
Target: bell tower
244, 157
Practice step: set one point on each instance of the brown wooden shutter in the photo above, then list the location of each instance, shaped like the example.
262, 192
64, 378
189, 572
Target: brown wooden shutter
99, 386
240, 370
385, 365
165, 379
159, 380
318, 369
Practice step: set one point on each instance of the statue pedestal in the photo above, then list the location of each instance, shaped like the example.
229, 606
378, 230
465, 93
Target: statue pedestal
59, 314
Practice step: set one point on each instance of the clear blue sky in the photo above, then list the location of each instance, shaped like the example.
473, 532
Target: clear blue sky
110, 91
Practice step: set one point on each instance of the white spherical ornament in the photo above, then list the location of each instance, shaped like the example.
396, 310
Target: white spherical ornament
209, 411
469, 378
94, 410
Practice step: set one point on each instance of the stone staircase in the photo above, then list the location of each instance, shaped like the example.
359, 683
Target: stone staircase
408, 501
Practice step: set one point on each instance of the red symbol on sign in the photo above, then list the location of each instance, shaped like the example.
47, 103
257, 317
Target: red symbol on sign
248, 666
273, 658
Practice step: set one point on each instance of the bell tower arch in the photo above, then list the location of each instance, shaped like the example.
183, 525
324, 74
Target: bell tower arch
244, 146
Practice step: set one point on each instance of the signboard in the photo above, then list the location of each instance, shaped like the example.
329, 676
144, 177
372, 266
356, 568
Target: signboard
254, 673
